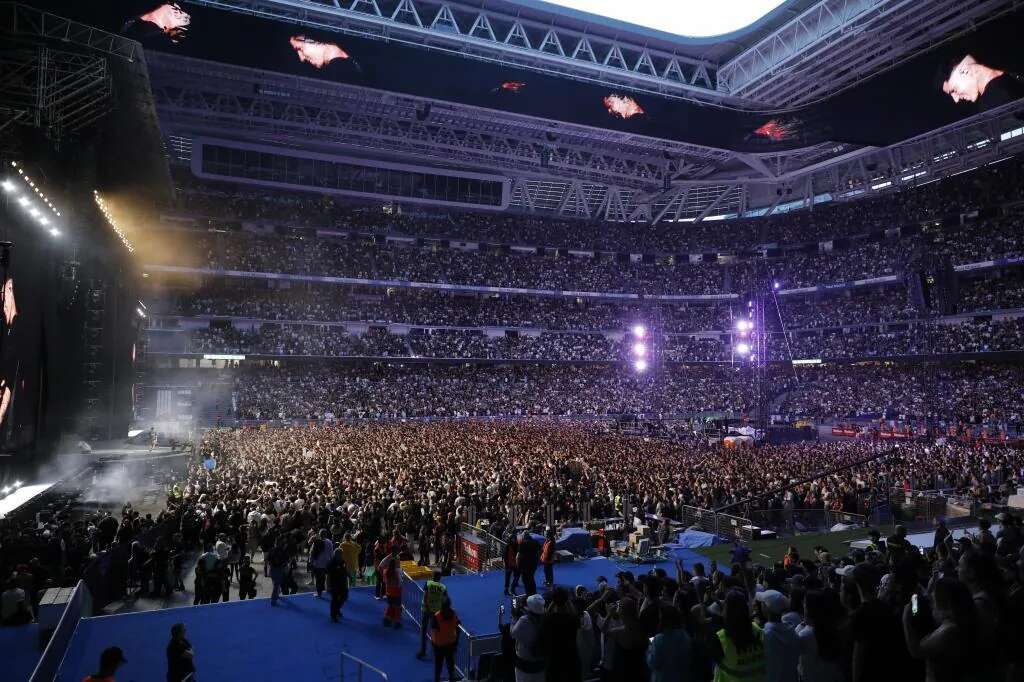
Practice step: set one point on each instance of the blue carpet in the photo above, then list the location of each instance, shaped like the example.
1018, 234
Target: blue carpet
253, 641
20, 647
296, 641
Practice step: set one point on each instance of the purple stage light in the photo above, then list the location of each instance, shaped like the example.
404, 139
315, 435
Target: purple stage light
639, 349
742, 349
639, 331
640, 365
776, 286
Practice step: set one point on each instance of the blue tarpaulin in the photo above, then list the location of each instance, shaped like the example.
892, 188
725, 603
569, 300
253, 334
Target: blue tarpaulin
697, 538
575, 540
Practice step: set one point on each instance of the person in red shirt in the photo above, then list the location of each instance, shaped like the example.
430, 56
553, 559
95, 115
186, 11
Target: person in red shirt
444, 636
547, 558
390, 573
110, 660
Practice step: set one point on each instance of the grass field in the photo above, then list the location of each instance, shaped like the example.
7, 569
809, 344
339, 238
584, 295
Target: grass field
771, 551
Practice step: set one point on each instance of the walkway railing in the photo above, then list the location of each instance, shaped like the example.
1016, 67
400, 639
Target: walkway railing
357, 670
79, 606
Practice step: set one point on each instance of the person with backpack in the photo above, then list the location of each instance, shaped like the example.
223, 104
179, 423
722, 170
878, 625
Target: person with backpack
444, 637
527, 623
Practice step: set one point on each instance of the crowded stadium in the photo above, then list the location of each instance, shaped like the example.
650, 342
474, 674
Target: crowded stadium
517, 341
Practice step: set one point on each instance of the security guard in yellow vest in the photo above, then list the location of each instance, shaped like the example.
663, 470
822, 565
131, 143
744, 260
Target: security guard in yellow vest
433, 597
742, 644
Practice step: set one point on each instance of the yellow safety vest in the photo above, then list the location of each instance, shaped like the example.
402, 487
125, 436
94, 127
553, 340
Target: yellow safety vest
748, 666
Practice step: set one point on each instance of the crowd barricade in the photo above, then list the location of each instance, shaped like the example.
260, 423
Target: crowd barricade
722, 525
478, 550
846, 430
793, 521
355, 669
79, 606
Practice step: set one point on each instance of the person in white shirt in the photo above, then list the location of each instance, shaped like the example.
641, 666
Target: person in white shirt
819, 638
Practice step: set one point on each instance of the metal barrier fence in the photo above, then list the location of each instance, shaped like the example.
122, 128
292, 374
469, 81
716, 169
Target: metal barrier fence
792, 521
723, 525
361, 671
488, 548
79, 606
469, 648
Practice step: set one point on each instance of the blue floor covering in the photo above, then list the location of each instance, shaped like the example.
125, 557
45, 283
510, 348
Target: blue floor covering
296, 641
19, 651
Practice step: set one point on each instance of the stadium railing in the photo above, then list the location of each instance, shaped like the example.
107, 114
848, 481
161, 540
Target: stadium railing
79, 606
355, 669
490, 548
723, 525
792, 521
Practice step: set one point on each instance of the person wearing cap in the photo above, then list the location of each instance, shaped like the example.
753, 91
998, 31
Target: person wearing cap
781, 648
526, 633
180, 657
110, 660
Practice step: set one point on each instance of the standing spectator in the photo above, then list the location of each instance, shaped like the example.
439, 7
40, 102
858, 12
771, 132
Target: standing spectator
351, 550
626, 633
669, 656
246, 579
110, 660
511, 569
390, 573
434, 594
527, 559
781, 648
547, 558
278, 561
444, 637
337, 583
380, 552
739, 653
321, 552
180, 657
946, 649
527, 635
559, 628
820, 638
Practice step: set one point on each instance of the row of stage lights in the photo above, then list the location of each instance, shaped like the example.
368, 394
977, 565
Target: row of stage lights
38, 206
639, 348
113, 223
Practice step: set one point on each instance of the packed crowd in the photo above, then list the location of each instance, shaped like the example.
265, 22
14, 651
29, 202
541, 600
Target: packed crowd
987, 186
972, 393
864, 341
390, 392
940, 393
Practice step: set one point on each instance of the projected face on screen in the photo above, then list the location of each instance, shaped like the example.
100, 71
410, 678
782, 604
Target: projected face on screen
622, 106
316, 53
170, 18
968, 80
10, 313
779, 130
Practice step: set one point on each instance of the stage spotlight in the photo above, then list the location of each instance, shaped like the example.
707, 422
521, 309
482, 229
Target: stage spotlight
639, 349
639, 331
17, 484
55, 232
640, 365
776, 286
742, 349
744, 325
6, 490
23, 201
8, 186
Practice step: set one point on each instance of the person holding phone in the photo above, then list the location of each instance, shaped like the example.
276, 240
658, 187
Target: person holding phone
941, 631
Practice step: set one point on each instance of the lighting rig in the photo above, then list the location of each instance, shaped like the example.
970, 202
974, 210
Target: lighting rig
25, 192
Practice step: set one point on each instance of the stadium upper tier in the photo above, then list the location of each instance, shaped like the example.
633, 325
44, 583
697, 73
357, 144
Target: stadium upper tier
987, 186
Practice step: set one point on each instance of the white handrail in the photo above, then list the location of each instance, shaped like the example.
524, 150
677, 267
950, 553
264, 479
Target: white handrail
362, 664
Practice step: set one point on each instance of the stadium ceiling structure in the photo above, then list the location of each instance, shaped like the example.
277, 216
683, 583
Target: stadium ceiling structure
580, 171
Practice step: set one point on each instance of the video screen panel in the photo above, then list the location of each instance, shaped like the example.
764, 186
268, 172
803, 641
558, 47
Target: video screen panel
975, 73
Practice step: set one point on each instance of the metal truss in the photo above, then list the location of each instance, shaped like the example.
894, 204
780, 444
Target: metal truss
956, 148
59, 92
485, 33
836, 43
196, 97
30, 22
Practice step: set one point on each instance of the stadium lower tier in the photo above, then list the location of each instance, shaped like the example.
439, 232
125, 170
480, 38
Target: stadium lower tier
951, 393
